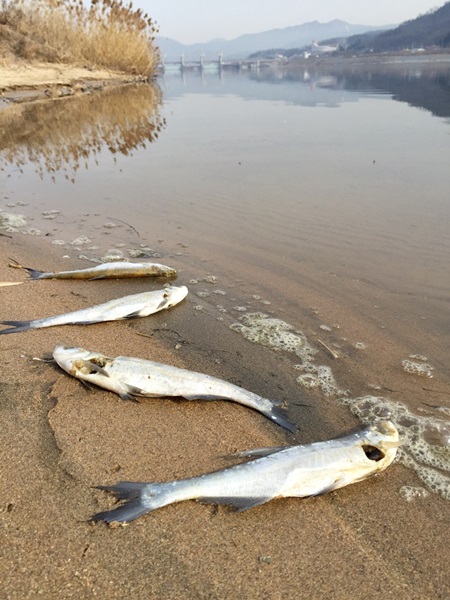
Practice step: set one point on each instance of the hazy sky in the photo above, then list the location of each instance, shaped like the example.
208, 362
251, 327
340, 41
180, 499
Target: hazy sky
191, 21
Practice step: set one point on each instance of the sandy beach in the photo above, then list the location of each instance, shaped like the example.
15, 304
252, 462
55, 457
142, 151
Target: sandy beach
59, 439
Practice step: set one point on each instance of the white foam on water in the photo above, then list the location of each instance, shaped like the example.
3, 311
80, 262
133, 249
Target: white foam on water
260, 328
11, 222
417, 368
319, 376
425, 439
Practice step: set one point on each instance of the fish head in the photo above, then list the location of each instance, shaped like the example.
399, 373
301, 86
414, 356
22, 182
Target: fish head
380, 442
175, 294
70, 359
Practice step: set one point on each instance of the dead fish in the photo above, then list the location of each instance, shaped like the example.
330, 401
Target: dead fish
127, 307
130, 377
112, 270
296, 471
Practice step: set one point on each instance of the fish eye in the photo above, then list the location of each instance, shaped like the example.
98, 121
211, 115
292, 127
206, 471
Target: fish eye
373, 453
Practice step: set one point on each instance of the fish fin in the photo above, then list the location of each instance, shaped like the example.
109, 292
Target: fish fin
256, 453
238, 503
87, 385
34, 273
92, 367
16, 326
134, 508
134, 314
129, 392
279, 416
123, 514
124, 490
164, 302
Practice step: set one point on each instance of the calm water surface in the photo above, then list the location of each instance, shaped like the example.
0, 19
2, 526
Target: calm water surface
318, 199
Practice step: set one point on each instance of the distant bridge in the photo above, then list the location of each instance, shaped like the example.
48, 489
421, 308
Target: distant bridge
211, 65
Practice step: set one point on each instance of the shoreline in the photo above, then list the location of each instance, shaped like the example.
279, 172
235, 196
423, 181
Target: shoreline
28, 82
60, 440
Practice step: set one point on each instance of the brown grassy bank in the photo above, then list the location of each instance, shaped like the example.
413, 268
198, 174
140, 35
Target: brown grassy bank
107, 34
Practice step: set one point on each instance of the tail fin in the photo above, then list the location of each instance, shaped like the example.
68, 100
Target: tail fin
134, 508
279, 416
34, 273
16, 326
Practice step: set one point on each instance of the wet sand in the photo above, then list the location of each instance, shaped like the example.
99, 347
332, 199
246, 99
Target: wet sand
59, 439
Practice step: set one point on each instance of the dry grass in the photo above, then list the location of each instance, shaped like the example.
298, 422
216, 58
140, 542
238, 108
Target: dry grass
107, 33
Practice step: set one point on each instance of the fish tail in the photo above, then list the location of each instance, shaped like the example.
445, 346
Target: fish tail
141, 498
280, 416
16, 326
33, 273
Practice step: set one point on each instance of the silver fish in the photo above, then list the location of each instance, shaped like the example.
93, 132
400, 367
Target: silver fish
127, 307
130, 377
112, 270
296, 471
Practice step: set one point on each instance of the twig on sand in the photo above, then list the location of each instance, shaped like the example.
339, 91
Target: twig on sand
127, 224
332, 352
144, 334
14, 264
7, 283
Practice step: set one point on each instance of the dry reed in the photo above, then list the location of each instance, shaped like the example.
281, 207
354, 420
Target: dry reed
107, 33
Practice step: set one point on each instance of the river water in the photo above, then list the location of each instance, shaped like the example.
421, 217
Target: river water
307, 210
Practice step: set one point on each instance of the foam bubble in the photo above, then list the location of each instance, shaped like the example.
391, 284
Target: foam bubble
259, 328
410, 493
320, 376
32, 231
113, 254
11, 222
80, 241
417, 368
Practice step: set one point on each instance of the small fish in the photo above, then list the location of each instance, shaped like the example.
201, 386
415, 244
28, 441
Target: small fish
112, 270
137, 305
296, 471
130, 377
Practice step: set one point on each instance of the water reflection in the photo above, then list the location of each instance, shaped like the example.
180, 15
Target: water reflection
322, 83
65, 135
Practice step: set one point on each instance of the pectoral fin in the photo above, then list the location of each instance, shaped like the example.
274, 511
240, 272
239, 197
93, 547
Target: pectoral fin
88, 367
129, 392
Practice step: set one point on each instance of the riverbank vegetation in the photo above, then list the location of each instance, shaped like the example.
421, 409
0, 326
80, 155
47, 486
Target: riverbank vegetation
105, 33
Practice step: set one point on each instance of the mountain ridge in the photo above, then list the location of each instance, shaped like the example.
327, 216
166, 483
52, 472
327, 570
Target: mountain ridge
293, 36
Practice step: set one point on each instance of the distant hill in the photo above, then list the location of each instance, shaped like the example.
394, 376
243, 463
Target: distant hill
290, 37
431, 29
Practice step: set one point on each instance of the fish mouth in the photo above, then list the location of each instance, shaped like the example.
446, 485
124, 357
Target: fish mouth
373, 453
